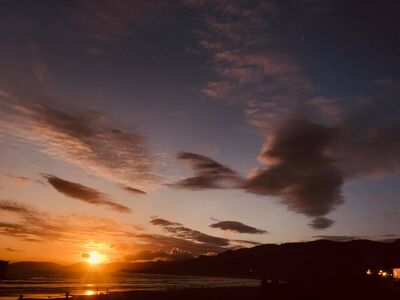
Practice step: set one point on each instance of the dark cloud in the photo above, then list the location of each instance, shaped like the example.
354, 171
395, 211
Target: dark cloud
84, 193
300, 171
162, 222
247, 243
134, 190
237, 227
85, 255
209, 174
337, 238
321, 223
87, 139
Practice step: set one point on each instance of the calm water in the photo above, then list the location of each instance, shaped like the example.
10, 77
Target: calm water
44, 287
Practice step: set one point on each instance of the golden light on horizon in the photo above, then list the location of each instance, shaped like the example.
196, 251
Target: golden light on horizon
89, 293
94, 258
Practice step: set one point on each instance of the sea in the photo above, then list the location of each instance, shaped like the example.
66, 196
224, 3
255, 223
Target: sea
81, 284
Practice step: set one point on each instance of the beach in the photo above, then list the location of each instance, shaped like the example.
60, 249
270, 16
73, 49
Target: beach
278, 292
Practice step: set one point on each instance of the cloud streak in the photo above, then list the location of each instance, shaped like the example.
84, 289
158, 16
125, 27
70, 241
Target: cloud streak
84, 193
133, 190
237, 227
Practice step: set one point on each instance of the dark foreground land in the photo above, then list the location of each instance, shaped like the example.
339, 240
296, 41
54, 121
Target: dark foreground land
270, 292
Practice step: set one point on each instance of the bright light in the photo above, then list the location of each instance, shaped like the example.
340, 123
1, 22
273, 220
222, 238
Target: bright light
369, 272
89, 292
94, 258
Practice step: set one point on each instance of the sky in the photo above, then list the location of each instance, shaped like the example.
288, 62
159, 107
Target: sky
149, 130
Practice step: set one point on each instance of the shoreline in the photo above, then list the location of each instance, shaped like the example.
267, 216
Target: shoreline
238, 292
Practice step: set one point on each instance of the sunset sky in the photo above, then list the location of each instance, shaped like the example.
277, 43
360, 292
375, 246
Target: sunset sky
169, 129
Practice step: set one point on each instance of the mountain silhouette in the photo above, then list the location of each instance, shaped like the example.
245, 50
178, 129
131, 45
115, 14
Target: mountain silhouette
314, 259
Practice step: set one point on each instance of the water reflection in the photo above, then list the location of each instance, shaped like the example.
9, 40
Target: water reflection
89, 292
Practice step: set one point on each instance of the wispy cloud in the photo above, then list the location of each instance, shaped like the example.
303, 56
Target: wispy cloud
237, 227
203, 241
240, 39
147, 255
21, 181
87, 139
180, 231
84, 193
34, 225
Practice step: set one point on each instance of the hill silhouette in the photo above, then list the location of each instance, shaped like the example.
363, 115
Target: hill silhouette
315, 259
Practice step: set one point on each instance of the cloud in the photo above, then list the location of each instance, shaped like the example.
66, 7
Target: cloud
207, 242
86, 139
85, 255
299, 170
134, 190
180, 231
28, 232
240, 38
148, 255
84, 193
163, 222
337, 238
209, 174
22, 181
321, 223
34, 225
237, 227
12, 250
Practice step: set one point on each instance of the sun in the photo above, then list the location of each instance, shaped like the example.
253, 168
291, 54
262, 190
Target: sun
94, 258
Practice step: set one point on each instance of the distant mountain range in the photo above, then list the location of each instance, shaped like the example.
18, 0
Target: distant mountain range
303, 260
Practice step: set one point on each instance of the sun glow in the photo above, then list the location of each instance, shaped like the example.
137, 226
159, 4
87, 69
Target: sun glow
94, 258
